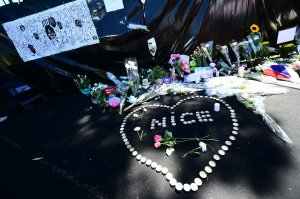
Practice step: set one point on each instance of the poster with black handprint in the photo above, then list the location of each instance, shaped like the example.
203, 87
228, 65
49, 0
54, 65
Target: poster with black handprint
62, 28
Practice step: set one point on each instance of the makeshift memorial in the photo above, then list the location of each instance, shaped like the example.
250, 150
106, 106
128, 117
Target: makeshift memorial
83, 83
171, 141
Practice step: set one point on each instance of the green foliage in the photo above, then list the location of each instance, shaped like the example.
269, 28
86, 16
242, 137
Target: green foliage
82, 81
286, 49
265, 51
199, 56
169, 140
157, 73
144, 73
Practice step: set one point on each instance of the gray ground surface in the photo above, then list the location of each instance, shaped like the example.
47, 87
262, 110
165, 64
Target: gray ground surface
97, 166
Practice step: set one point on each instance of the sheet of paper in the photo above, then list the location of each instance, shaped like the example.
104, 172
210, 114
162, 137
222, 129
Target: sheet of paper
286, 35
113, 5
62, 28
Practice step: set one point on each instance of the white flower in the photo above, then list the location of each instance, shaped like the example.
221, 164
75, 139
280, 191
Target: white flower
203, 146
169, 151
144, 109
137, 128
131, 99
135, 115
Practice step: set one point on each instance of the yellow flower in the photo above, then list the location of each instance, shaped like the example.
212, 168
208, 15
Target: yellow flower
265, 43
254, 28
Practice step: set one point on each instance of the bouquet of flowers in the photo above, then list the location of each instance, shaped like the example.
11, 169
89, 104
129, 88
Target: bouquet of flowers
199, 56
235, 48
207, 48
255, 38
168, 140
265, 50
133, 75
245, 50
149, 94
180, 63
225, 52
255, 103
175, 62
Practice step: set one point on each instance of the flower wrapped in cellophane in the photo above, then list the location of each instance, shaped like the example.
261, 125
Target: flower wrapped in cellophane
207, 48
225, 52
256, 104
235, 48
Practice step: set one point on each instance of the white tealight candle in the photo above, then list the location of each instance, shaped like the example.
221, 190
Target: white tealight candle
164, 170
179, 186
217, 107
198, 181
158, 168
186, 187
194, 187
153, 165
169, 176
173, 182
148, 162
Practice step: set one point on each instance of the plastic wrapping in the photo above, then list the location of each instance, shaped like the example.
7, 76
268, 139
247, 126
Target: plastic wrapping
256, 104
231, 85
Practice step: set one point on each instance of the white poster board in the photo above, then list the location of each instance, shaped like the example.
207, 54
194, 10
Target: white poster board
286, 35
62, 28
113, 5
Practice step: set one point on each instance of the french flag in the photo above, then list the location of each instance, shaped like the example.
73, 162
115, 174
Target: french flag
277, 71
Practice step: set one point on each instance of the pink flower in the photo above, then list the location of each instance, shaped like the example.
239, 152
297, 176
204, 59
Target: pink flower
185, 67
175, 56
157, 138
157, 145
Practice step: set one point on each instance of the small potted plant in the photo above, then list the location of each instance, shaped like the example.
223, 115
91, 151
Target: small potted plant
83, 83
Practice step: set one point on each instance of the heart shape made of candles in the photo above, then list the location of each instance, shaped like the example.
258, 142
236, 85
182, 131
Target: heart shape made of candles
196, 119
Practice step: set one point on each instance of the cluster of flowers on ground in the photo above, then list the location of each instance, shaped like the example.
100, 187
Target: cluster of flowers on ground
145, 84
168, 140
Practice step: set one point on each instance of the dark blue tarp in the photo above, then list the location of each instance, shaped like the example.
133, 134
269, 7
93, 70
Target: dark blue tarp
178, 26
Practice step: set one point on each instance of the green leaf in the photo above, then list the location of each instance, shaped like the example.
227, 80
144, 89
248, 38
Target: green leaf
168, 134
